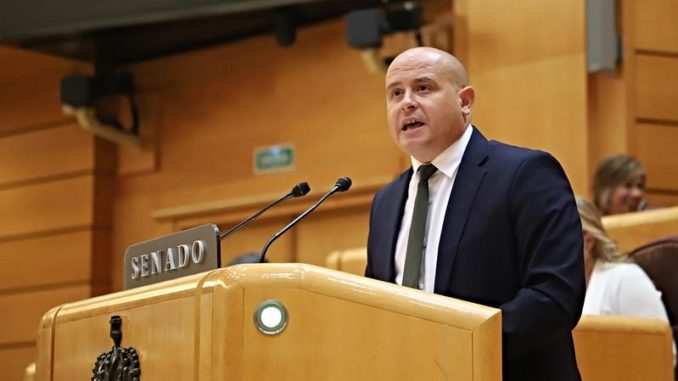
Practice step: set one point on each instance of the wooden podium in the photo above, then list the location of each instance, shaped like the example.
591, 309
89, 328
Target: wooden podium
339, 327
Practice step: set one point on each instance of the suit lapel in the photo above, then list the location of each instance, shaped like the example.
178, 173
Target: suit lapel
394, 207
466, 184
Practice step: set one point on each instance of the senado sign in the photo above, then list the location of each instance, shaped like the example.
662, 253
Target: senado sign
188, 252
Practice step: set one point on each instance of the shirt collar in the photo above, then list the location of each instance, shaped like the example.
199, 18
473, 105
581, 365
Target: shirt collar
448, 160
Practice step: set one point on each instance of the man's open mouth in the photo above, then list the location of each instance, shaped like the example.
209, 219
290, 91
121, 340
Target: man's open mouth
412, 124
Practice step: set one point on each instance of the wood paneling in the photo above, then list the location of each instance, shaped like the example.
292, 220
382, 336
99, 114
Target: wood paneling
662, 199
317, 96
528, 31
14, 361
208, 118
528, 65
133, 224
632, 230
656, 96
352, 261
54, 187
655, 25
18, 65
49, 206
527, 106
23, 311
33, 102
254, 236
133, 160
29, 89
46, 152
656, 148
329, 231
623, 348
46, 260
200, 327
73, 349
607, 107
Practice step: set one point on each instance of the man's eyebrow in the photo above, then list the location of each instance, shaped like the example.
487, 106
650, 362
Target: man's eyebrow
424, 78
392, 85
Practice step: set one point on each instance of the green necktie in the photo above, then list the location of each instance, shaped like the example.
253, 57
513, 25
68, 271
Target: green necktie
415, 242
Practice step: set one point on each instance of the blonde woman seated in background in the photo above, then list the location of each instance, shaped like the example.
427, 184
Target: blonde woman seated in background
619, 185
614, 284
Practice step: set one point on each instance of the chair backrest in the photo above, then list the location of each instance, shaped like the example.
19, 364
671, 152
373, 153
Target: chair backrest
352, 261
631, 230
623, 348
659, 259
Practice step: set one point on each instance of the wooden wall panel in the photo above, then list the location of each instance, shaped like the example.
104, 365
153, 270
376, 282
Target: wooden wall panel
57, 205
14, 362
317, 96
18, 65
44, 153
33, 102
133, 160
662, 199
132, 224
326, 232
23, 311
656, 96
29, 89
210, 118
656, 146
607, 107
53, 191
254, 237
655, 25
62, 258
528, 65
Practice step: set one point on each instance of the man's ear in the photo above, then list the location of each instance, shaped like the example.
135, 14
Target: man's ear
466, 96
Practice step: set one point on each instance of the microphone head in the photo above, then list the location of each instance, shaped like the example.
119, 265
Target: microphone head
343, 184
300, 189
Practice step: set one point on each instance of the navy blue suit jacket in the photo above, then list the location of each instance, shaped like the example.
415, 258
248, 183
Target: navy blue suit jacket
511, 239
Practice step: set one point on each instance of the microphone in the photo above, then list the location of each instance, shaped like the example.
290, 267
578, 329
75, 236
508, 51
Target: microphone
299, 190
343, 184
642, 205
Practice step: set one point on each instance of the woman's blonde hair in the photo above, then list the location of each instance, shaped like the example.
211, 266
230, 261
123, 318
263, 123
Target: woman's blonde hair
605, 248
613, 171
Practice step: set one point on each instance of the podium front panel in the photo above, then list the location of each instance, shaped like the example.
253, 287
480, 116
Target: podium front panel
339, 326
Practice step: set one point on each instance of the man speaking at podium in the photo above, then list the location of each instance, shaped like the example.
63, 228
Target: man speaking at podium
478, 220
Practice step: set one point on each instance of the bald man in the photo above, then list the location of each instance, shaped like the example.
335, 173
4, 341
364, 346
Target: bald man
478, 220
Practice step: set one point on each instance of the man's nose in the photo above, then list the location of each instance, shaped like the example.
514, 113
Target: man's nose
408, 103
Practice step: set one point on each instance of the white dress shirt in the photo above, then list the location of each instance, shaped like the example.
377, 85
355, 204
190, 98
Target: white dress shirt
440, 186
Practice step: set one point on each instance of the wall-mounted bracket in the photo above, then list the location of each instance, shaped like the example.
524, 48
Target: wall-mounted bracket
81, 95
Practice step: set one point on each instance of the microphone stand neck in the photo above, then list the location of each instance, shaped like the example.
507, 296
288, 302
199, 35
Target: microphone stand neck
277, 235
247, 221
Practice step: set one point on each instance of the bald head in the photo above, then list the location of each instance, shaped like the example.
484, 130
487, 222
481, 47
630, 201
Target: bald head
446, 63
428, 101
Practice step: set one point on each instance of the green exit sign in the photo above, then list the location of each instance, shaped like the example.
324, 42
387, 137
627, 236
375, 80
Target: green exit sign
274, 158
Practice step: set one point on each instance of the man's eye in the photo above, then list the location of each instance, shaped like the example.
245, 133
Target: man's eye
423, 88
396, 93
